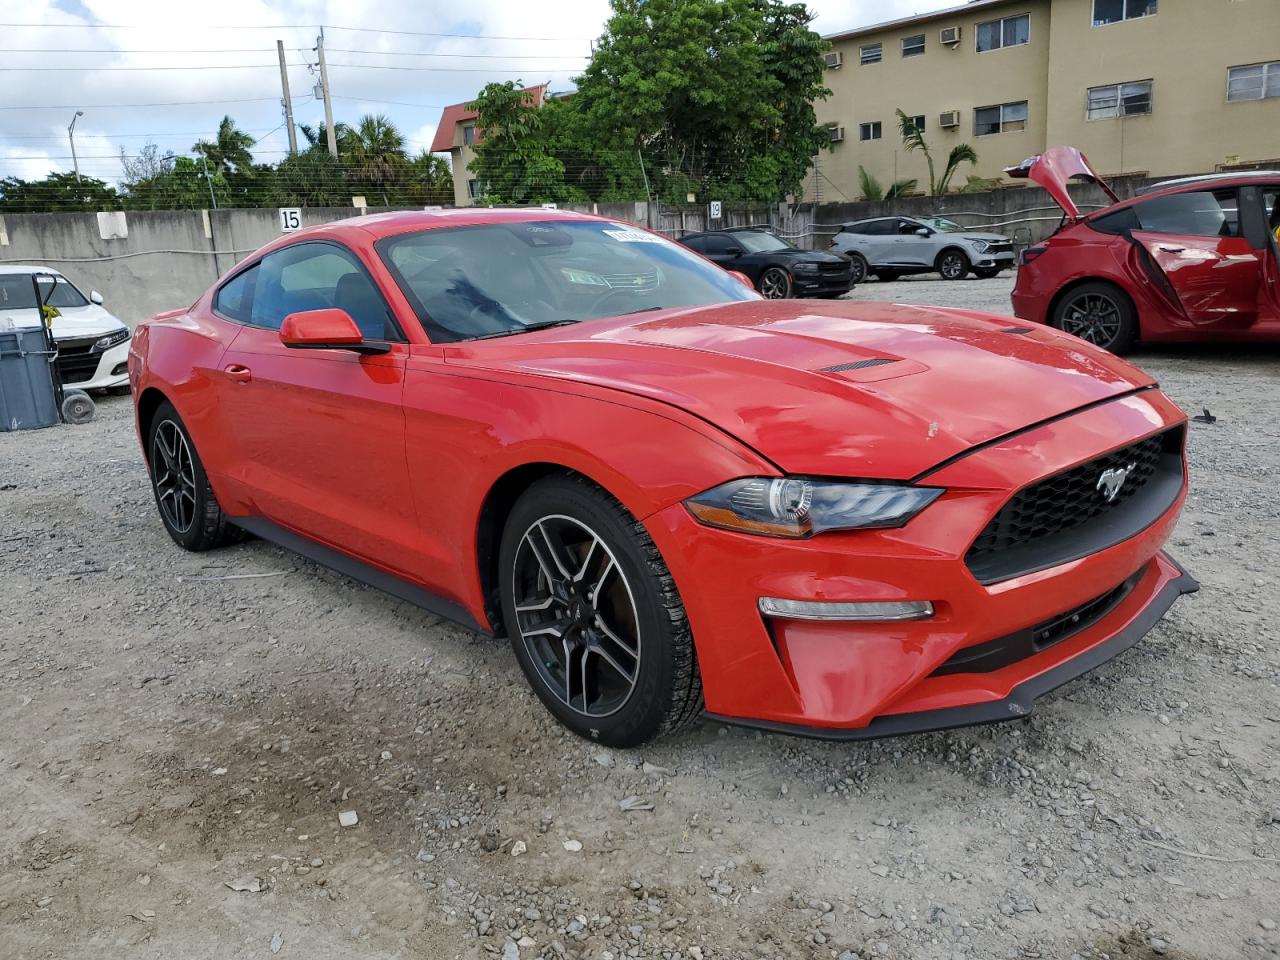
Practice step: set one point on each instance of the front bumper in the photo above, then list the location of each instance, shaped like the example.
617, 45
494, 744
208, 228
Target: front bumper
995, 261
88, 369
864, 679
821, 284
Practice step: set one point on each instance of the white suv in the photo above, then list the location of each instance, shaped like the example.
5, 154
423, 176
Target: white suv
890, 247
93, 345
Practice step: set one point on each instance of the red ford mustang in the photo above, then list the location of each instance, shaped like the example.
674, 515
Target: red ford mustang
839, 519
1194, 259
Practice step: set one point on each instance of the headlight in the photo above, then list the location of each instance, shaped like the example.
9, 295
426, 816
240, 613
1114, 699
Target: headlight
797, 508
804, 267
112, 339
980, 245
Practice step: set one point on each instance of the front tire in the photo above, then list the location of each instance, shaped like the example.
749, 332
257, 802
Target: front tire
594, 616
986, 274
953, 265
775, 284
1099, 313
187, 505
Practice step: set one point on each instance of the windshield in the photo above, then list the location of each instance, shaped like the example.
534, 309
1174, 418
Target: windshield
492, 279
16, 292
760, 242
64, 293
942, 225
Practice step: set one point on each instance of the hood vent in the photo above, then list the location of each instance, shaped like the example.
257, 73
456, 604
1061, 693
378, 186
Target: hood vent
858, 365
1018, 330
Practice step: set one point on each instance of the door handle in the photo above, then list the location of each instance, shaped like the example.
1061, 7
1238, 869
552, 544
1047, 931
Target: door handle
1173, 249
238, 373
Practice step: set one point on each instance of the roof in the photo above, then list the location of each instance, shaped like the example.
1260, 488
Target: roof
1244, 175
950, 12
26, 268
457, 113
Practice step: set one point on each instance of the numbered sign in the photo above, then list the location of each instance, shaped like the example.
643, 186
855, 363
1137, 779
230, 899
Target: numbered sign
715, 209
290, 219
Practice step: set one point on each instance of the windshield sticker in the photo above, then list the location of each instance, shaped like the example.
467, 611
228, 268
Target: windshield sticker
633, 236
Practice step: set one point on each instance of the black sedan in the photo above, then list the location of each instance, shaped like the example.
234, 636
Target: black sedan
778, 269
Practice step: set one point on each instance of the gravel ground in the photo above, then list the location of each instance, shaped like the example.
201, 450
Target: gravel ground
165, 732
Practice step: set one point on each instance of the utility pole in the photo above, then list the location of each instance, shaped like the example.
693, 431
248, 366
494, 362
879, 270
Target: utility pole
71, 135
288, 101
328, 101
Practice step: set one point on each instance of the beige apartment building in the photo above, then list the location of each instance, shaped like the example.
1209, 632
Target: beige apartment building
1159, 87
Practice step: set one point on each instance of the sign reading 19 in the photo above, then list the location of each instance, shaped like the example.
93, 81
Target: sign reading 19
290, 219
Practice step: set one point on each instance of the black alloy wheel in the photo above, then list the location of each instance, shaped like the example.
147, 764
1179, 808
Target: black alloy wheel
1099, 314
857, 268
187, 505
594, 617
775, 284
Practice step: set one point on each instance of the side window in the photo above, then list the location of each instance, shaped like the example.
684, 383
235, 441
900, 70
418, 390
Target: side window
698, 244
908, 227
234, 297
1116, 222
716, 243
312, 276
878, 228
1196, 214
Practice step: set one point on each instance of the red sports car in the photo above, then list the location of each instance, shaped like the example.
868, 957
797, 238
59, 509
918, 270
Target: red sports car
1191, 259
840, 519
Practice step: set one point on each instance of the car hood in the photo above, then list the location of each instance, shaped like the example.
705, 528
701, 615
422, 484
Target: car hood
971, 235
833, 388
809, 256
78, 322
1054, 169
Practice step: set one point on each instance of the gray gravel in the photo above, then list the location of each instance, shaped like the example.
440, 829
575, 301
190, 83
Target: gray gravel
162, 736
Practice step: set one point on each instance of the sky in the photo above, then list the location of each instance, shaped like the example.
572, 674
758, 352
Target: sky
166, 72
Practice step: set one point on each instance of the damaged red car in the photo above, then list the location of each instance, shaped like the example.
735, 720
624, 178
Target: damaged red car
831, 518
1189, 259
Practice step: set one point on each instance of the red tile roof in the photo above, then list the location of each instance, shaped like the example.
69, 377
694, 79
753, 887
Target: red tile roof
457, 113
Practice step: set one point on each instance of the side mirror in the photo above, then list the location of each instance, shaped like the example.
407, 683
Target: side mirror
327, 329
742, 278
733, 251
95, 297
923, 232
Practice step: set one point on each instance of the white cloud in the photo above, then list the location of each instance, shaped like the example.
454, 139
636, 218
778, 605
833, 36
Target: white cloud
241, 35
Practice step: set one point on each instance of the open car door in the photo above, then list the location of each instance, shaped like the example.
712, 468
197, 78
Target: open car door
1054, 169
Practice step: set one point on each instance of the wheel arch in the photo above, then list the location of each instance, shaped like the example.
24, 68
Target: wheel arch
1077, 282
496, 507
951, 248
147, 404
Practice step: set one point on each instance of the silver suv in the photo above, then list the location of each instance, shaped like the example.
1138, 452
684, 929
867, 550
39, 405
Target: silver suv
889, 247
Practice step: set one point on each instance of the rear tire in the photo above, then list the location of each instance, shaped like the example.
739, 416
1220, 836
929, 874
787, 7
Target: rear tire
188, 509
594, 616
953, 265
886, 276
1099, 313
857, 269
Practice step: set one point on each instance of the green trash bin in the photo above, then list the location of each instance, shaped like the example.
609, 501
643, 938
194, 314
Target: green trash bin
28, 395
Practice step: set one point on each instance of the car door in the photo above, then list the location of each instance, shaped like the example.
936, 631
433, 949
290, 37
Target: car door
1191, 245
1269, 304
320, 433
728, 252
878, 241
909, 247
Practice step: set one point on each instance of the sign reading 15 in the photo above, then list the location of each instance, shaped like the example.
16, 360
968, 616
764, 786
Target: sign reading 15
290, 219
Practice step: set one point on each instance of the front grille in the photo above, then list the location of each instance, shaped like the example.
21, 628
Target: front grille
1005, 246
1073, 513
77, 360
1003, 651
834, 268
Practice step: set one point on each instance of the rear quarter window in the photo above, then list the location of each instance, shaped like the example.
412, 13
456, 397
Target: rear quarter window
235, 297
1116, 222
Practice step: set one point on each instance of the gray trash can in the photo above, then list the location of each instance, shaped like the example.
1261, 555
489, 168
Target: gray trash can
28, 397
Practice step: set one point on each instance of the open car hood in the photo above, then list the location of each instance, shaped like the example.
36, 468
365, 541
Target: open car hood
1054, 169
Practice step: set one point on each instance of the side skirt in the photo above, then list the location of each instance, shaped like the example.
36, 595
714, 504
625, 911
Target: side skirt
359, 570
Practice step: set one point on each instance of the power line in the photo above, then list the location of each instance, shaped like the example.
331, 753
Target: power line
380, 53
123, 136
293, 26
115, 106
205, 66
276, 66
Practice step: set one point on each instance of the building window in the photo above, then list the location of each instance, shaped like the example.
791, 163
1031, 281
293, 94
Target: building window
468, 134
869, 131
913, 46
1009, 32
1255, 82
1113, 11
1003, 118
917, 123
1119, 100
871, 53
473, 189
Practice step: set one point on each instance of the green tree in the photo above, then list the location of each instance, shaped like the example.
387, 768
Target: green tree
716, 94
373, 154
513, 163
229, 151
180, 184
873, 189
429, 181
58, 192
913, 139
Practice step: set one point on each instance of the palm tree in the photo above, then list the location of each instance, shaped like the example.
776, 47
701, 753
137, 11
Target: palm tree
228, 152
913, 139
873, 189
317, 137
373, 151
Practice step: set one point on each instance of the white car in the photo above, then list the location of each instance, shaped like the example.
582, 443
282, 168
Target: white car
891, 247
93, 345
